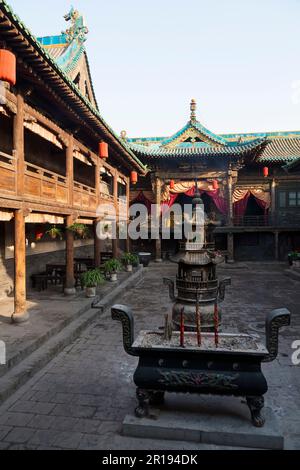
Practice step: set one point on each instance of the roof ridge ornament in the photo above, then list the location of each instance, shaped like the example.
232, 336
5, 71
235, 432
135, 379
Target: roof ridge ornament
193, 110
78, 29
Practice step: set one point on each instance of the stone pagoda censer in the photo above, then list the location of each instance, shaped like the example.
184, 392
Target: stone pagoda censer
197, 284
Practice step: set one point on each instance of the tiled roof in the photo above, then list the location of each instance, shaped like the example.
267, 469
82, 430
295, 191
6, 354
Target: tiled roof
280, 147
281, 150
238, 150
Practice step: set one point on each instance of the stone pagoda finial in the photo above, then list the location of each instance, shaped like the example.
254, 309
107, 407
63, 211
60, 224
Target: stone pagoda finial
193, 110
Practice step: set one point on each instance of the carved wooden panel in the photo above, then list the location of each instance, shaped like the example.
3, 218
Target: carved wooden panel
7, 179
32, 186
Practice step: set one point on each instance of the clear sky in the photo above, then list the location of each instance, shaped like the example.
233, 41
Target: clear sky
240, 59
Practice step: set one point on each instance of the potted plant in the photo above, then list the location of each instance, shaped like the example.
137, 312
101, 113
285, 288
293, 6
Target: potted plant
111, 268
91, 279
55, 232
79, 229
129, 260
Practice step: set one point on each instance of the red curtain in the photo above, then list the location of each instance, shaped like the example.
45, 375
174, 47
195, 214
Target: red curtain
261, 204
241, 205
142, 199
219, 201
165, 206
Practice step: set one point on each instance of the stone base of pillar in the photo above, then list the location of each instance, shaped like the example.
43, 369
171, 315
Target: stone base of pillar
20, 317
70, 291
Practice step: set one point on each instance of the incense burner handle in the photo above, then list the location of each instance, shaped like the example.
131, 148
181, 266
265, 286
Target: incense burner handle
170, 283
222, 286
123, 314
275, 320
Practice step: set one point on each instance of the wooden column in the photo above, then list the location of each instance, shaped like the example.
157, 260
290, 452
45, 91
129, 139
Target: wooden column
97, 240
230, 198
230, 247
115, 241
20, 314
276, 245
18, 143
158, 258
273, 201
97, 180
128, 244
97, 246
70, 281
70, 168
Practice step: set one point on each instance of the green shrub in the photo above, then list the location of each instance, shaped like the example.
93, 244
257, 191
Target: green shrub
92, 278
130, 258
112, 266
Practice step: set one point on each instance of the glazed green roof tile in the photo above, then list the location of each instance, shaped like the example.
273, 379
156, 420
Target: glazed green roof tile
238, 150
41, 50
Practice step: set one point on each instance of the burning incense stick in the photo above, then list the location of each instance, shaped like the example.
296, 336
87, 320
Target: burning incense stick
198, 321
182, 328
216, 321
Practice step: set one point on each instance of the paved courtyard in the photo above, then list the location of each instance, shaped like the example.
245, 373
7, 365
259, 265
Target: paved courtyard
79, 400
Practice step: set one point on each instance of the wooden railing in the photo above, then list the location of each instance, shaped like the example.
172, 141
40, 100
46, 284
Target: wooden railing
44, 184
84, 196
8, 179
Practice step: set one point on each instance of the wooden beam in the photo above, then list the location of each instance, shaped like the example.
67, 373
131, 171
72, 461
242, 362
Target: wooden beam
70, 280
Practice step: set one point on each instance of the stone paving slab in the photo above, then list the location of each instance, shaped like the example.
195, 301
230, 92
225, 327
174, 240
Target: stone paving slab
207, 420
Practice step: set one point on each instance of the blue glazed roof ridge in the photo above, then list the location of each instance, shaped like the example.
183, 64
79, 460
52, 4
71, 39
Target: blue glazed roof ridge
8, 10
53, 40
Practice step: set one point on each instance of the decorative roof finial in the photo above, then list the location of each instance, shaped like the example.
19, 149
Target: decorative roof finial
78, 29
123, 135
193, 110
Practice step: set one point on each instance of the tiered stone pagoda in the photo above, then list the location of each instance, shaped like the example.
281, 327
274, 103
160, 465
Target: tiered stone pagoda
197, 283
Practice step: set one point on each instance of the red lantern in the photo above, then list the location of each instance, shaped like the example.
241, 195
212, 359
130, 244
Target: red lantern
134, 177
215, 184
172, 184
266, 171
103, 150
7, 66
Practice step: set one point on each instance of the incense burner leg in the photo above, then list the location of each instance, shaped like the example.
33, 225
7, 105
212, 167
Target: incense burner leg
143, 396
255, 405
157, 398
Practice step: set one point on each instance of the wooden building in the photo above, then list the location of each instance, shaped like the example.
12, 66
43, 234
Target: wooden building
51, 171
250, 182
